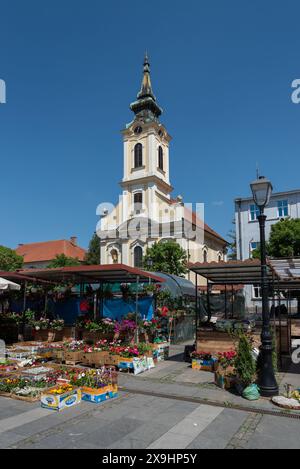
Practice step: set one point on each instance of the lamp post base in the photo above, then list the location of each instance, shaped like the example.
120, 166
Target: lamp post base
266, 378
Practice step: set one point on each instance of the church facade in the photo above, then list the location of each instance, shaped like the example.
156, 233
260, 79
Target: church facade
146, 212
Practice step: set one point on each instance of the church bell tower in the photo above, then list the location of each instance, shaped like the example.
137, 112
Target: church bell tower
146, 141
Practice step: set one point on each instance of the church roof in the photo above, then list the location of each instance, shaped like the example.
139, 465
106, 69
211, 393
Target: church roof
146, 107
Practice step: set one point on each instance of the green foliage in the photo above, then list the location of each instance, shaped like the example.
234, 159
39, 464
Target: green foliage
284, 239
167, 257
244, 362
10, 260
232, 248
61, 260
92, 257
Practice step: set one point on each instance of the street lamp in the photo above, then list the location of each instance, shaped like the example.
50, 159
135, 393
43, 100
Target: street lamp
149, 263
103, 215
262, 190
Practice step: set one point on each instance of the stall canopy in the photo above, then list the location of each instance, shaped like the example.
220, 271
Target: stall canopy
233, 272
91, 274
283, 273
6, 285
177, 286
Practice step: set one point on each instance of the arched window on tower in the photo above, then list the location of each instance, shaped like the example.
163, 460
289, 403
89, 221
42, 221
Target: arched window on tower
138, 200
138, 155
138, 256
160, 158
205, 255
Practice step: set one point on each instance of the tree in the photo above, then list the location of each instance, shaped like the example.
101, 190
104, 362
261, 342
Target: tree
284, 239
232, 248
9, 259
61, 260
167, 257
92, 257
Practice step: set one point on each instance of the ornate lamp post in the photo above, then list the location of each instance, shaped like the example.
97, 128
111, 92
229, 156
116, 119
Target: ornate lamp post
103, 215
262, 190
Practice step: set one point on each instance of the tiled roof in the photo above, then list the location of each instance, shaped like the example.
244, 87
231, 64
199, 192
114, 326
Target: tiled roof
48, 250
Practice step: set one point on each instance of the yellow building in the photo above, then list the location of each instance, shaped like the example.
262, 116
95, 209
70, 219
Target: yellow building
146, 212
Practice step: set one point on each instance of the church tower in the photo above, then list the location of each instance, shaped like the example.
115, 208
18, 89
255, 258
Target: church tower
146, 213
146, 178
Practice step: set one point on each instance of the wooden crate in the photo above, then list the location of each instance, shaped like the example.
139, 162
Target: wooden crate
72, 358
214, 341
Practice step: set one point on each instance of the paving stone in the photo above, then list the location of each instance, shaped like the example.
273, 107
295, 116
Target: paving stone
274, 432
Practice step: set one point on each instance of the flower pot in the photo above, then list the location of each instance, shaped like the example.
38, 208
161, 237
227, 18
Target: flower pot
224, 381
239, 387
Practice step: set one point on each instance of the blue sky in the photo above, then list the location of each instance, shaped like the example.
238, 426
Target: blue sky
222, 71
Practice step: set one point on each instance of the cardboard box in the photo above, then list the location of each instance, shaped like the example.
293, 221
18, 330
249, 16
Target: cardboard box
204, 365
60, 401
99, 395
73, 357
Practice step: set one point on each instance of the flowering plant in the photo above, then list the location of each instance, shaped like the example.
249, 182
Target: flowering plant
125, 326
106, 325
57, 324
151, 326
42, 323
73, 346
226, 359
201, 355
126, 351
94, 378
61, 389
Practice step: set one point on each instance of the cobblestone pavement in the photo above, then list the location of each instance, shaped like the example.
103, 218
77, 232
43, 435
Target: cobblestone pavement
137, 419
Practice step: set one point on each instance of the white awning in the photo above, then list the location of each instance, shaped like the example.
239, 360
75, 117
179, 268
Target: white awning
8, 285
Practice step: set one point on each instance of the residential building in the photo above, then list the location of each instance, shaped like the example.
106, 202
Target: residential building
282, 205
39, 255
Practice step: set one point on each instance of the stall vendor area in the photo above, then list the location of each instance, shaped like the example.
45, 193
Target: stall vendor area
112, 319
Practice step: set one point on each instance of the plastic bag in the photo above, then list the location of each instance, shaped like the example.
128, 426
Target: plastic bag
251, 392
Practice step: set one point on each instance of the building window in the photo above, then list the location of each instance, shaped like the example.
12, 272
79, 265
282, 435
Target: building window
253, 245
204, 256
138, 155
282, 208
253, 212
160, 158
219, 257
138, 200
257, 293
138, 256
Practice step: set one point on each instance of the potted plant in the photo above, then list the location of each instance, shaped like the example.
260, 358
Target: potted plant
244, 362
225, 374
